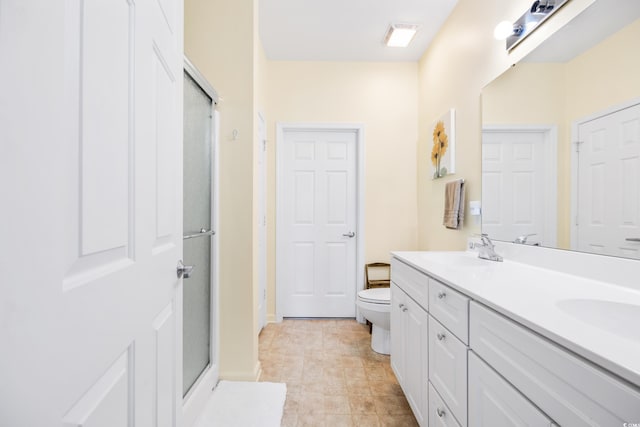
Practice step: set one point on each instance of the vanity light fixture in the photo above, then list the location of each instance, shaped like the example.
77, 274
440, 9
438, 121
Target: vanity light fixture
505, 29
515, 32
400, 35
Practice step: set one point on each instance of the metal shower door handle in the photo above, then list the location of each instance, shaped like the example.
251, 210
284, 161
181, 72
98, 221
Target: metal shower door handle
184, 271
202, 232
349, 234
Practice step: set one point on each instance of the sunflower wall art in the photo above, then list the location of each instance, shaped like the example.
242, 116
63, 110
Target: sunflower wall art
443, 148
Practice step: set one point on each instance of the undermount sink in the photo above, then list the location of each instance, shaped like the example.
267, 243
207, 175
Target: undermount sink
617, 318
457, 259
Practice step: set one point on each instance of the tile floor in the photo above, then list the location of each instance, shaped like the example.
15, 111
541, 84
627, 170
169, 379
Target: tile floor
333, 377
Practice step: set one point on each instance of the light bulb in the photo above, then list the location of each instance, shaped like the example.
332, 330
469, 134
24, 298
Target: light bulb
503, 30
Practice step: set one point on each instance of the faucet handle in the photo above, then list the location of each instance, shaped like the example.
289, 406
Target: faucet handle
486, 240
522, 239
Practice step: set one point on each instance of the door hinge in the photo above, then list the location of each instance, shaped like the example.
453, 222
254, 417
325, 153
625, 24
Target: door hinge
577, 217
578, 144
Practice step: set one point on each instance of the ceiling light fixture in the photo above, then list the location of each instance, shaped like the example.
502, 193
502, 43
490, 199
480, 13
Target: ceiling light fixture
400, 35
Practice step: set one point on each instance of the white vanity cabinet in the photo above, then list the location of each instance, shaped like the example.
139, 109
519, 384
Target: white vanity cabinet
451, 308
464, 364
448, 369
423, 350
494, 402
439, 415
409, 350
398, 335
569, 389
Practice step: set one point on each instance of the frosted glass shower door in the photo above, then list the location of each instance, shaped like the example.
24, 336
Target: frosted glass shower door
197, 302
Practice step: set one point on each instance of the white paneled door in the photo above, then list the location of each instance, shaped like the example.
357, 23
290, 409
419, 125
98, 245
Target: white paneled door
91, 184
518, 185
317, 214
608, 219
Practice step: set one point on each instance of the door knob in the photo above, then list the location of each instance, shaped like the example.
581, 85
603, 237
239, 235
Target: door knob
349, 234
184, 271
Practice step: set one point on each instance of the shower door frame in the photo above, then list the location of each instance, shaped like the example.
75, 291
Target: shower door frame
195, 400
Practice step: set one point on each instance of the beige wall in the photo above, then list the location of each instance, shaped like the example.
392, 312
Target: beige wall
381, 96
604, 76
461, 60
220, 41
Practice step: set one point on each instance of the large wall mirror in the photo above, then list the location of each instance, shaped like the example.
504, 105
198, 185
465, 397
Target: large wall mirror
561, 138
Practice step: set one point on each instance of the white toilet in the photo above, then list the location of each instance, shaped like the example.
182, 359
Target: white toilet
375, 305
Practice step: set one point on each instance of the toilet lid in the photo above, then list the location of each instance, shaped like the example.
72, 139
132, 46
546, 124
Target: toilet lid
375, 295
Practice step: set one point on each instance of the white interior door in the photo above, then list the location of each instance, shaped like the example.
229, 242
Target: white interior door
518, 185
90, 314
608, 220
316, 259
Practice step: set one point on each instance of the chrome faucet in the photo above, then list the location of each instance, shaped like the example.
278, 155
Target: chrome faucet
522, 239
486, 250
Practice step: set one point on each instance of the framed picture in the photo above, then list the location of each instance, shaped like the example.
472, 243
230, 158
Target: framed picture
443, 149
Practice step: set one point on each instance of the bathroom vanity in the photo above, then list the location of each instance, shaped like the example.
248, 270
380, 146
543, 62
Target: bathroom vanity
482, 343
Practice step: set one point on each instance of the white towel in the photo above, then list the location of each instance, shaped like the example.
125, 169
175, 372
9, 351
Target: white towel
454, 204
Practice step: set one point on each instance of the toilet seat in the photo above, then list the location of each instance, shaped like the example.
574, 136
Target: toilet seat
375, 296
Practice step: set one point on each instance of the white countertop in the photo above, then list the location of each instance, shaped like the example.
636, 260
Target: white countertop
596, 320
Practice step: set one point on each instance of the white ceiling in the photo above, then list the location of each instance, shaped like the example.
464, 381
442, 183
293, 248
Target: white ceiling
346, 30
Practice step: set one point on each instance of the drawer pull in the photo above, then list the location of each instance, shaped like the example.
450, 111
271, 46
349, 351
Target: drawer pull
442, 295
404, 309
440, 412
441, 336
400, 305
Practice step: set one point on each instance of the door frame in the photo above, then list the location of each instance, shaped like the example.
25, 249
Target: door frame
575, 159
195, 400
358, 128
551, 179
262, 221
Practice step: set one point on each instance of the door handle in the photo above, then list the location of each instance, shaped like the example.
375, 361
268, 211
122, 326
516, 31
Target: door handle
184, 271
633, 239
349, 234
202, 232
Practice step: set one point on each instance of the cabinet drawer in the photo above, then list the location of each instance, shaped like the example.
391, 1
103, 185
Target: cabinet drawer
448, 368
439, 413
451, 308
569, 389
494, 402
410, 280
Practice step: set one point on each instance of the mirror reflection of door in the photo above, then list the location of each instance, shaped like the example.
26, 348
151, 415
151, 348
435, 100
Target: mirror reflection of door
518, 184
608, 183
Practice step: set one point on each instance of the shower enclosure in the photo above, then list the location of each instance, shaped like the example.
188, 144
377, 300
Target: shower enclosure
200, 364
